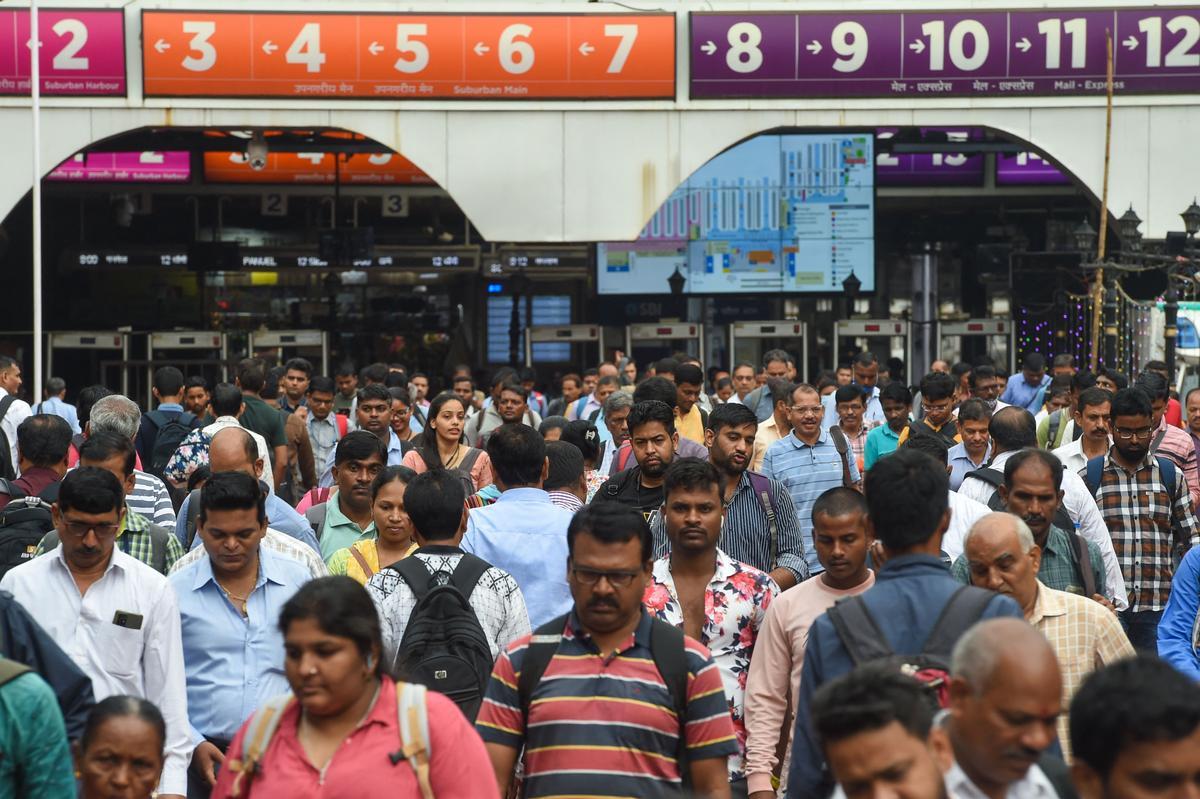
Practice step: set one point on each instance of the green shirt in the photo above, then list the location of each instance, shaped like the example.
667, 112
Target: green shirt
880, 441
338, 531
1059, 569
37, 759
264, 420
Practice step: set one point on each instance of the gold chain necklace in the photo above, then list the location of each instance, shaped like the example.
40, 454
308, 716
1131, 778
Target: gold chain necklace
234, 599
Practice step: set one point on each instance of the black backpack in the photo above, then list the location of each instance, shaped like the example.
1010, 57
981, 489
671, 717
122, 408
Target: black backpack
7, 472
864, 640
945, 435
171, 428
444, 647
24, 521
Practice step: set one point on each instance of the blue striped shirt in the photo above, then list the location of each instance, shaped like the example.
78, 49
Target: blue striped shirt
807, 472
746, 534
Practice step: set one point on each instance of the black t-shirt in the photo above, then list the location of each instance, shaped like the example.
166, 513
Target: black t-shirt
626, 487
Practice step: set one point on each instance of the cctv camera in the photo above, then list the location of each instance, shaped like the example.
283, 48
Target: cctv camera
256, 152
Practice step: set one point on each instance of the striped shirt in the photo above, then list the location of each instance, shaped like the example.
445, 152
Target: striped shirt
1140, 515
807, 472
151, 498
746, 533
1177, 445
605, 726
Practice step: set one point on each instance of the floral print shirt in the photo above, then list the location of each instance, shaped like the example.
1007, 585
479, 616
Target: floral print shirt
735, 604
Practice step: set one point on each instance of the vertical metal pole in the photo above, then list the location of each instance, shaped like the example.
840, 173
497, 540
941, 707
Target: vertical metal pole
35, 88
125, 364
700, 334
324, 352
629, 341
1110, 323
1171, 331
224, 357
804, 360
926, 308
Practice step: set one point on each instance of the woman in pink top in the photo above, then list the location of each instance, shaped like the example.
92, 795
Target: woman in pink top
441, 445
337, 738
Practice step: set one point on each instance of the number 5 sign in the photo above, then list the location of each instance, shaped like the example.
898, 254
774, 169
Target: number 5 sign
391, 56
82, 53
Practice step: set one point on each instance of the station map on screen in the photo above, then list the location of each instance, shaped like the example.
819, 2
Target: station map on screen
790, 213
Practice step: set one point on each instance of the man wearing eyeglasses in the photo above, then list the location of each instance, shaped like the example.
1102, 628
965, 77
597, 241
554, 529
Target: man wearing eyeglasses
113, 615
1145, 503
938, 395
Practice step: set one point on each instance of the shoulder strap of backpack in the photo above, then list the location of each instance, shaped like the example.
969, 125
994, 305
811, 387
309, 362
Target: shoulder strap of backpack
993, 477
965, 607
858, 630
412, 570
362, 562
316, 516
158, 547
761, 485
1052, 426
261, 728
842, 445
193, 515
12, 489
1167, 467
703, 418
580, 405
468, 573
1084, 558
1095, 473
1158, 439
413, 716
468, 462
542, 646
670, 658
159, 418
5, 404
11, 670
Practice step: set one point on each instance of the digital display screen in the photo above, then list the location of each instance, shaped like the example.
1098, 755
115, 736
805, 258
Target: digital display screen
780, 213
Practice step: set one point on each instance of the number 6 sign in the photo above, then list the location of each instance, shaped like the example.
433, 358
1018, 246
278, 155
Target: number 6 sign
82, 52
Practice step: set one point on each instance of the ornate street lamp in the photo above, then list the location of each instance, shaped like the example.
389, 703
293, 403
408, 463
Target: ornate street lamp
675, 281
1128, 226
1191, 219
1085, 238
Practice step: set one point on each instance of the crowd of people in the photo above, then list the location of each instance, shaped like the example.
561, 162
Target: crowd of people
646, 582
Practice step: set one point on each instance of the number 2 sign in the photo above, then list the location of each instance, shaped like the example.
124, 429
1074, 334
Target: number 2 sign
82, 52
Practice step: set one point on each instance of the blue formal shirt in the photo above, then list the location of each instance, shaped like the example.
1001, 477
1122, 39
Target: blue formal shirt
525, 534
1179, 628
807, 472
280, 516
57, 407
909, 594
960, 463
872, 413
233, 664
1021, 394
395, 457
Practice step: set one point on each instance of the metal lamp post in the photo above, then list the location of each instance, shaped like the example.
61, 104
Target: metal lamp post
850, 287
675, 282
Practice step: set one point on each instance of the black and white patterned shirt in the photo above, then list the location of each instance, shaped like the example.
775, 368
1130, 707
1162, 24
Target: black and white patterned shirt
496, 600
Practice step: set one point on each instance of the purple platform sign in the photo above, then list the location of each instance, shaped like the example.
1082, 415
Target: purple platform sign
931, 54
82, 53
167, 167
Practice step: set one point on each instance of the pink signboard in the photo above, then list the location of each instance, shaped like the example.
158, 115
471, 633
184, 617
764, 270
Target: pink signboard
82, 54
169, 167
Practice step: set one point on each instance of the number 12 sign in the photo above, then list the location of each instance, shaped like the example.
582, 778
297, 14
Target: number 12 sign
416, 57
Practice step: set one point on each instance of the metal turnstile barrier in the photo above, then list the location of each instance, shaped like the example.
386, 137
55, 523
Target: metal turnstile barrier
665, 332
92, 345
896, 335
292, 344
781, 331
211, 348
572, 334
951, 335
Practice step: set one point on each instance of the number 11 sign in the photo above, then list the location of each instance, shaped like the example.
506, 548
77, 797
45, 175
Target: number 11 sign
930, 54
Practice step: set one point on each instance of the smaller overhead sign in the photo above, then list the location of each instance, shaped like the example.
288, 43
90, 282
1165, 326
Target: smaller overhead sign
148, 167
362, 169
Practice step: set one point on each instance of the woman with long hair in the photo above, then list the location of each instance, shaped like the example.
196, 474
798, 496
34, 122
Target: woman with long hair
393, 539
348, 730
442, 446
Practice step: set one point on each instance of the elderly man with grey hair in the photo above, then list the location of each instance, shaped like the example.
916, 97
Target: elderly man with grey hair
614, 415
1002, 556
150, 496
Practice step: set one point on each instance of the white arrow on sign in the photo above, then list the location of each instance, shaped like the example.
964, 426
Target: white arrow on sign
814, 47
162, 46
269, 47
586, 49
480, 48
375, 48
709, 48
1131, 43
1023, 44
918, 46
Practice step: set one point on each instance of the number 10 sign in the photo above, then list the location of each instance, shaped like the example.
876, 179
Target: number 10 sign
929, 54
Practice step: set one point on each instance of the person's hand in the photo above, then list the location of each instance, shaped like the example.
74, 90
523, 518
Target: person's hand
302, 413
1103, 600
205, 759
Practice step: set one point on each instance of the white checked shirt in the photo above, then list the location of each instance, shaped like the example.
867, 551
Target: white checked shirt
145, 662
496, 600
275, 541
1034, 785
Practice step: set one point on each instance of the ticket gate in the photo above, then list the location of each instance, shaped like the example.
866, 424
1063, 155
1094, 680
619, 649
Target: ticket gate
200, 352
749, 340
564, 334
883, 338
89, 357
688, 334
282, 345
967, 339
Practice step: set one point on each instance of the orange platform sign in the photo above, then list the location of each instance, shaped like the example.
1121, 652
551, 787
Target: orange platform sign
362, 169
409, 56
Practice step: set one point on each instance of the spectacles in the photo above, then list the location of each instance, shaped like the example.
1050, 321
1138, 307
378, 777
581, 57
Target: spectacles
81, 529
805, 410
617, 579
1128, 434
927, 407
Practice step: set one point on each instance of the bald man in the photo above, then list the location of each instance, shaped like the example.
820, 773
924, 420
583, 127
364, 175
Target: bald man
1005, 700
1002, 556
235, 450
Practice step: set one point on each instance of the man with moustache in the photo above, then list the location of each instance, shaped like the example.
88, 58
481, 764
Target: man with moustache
1092, 413
346, 517
373, 413
760, 528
